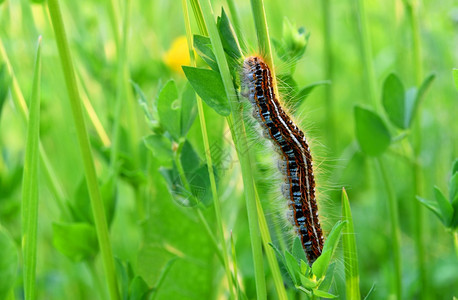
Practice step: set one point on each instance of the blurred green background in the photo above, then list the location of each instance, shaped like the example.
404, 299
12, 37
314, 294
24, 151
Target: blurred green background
149, 226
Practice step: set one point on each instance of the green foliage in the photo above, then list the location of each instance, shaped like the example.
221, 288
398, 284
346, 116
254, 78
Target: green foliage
446, 210
372, 135
77, 241
4, 83
208, 85
293, 43
9, 262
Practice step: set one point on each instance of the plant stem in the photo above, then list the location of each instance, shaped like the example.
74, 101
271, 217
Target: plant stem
270, 253
395, 233
412, 8
85, 148
30, 186
239, 137
211, 174
455, 241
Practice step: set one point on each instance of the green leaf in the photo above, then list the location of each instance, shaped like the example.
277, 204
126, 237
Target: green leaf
161, 147
298, 251
203, 47
325, 285
333, 238
444, 206
189, 159
306, 91
323, 294
455, 77
8, 263
228, 38
453, 187
292, 266
77, 241
321, 264
393, 100
455, 167
143, 102
307, 283
209, 86
286, 84
30, 184
138, 289
432, 206
188, 109
349, 251
372, 135
4, 85
109, 193
169, 109
412, 105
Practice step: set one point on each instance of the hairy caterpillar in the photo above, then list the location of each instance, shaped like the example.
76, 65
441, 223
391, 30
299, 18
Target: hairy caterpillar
296, 166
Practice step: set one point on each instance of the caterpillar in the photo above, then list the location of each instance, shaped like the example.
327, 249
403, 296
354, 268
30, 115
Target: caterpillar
296, 160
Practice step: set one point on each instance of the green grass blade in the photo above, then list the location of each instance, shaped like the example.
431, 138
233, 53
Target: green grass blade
85, 148
239, 137
19, 102
394, 225
214, 190
270, 252
349, 251
30, 185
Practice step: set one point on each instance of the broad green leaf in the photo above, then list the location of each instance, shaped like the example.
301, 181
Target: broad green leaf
188, 109
209, 86
77, 241
333, 237
321, 264
161, 147
432, 206
412, 103
297, 251
444, 206
189, 159
292, 266
8, 263
349, 251
323, 294
372, 135
169, 109
455, 77
228, 38
393, 100
280, 256
306, 91
203, 47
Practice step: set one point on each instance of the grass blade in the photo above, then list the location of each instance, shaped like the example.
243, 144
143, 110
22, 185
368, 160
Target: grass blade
85, 148
349, 251
30, 185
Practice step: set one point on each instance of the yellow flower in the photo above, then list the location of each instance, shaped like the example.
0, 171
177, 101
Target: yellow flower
178, 54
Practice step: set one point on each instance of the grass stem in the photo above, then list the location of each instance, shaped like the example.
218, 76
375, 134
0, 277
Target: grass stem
85, 148
203, 126
395, 233
239, 137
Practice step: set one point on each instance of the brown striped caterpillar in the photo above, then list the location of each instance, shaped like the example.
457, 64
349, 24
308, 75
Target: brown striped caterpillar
294, 151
